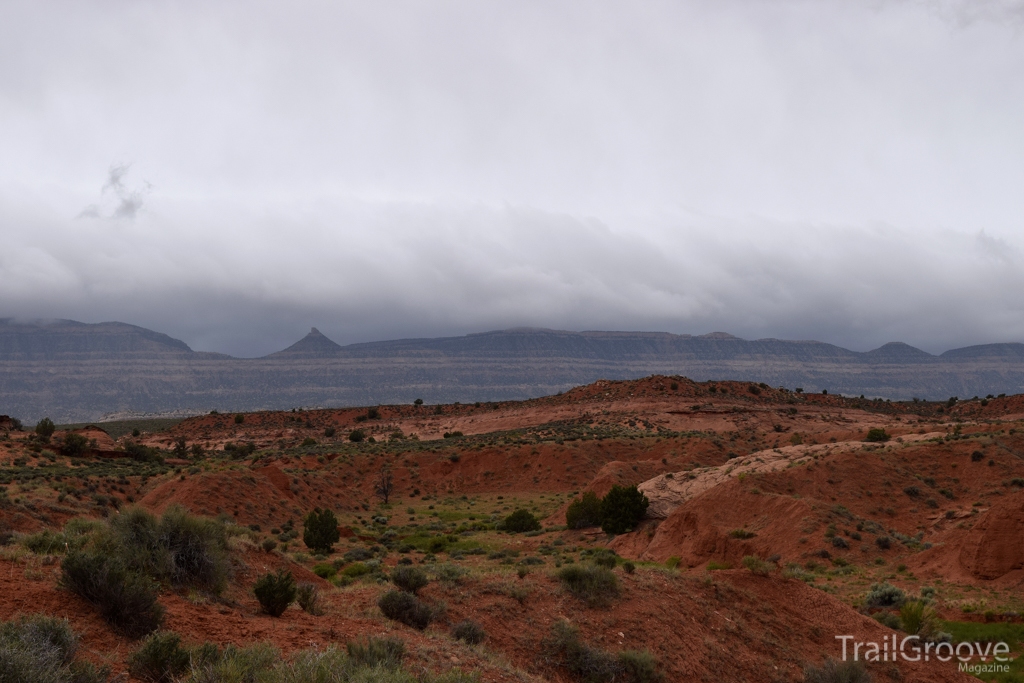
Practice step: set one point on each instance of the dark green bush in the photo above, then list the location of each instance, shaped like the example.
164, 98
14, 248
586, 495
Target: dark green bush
584, 512
593, 584
45, 428
127, 600
877, 434
469, 631
74, 445
373, 652
977, 456
406, 608
622, 509
835, 671
160, 658
356, 435
320, 530
639, 666
275, 591
521, 521
409, 579
883, 542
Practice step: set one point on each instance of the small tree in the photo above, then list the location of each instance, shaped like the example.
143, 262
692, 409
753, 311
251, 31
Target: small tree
622, 509
45, 428
356, 435
584, 512
320, 530
74, 445
384, 485
275, 591
180, 447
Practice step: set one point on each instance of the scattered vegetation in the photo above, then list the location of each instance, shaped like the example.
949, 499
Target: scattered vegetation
593, 665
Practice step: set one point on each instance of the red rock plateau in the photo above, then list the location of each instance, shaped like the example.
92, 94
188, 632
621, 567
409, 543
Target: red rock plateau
934, 505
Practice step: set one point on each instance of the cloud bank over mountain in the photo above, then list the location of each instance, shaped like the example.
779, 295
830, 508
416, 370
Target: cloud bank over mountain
234, 174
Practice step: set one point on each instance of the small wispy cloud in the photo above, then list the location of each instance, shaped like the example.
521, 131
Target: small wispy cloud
118, 201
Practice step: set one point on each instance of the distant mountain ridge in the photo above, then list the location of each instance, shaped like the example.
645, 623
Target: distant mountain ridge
74, 371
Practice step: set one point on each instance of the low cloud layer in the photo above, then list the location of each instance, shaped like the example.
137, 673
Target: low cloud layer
233, 175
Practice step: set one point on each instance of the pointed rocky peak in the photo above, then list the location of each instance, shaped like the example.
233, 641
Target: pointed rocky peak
898, 352
313, 345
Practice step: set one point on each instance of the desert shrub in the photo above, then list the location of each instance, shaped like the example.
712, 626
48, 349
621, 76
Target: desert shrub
628, 567
356, 435
320, 530
127, 600
74, 445
592, 665
885, 595
239, 665
887, 619
309, 598
584, 512
673, 562
451, 574
877, 434
357, 555
519, 521
409, 579
239, 419
308, 441
329, 432
758, 566
883, 542
41, 649
835, 671
742, 533
840, 542
406, 608
603, 557
49, 542
912, 491
275, 591
160, 658
582, 661
917, 618
268, 545
324, 570
197, 548
373, 414
639, 666
977, 456
622, 509
355, 570
594, 585
469, 631
140, 453
377, 652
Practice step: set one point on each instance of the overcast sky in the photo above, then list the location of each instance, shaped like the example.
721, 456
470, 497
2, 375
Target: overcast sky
232, 173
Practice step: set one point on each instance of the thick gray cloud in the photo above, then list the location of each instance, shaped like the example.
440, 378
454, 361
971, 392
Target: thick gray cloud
232, 173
